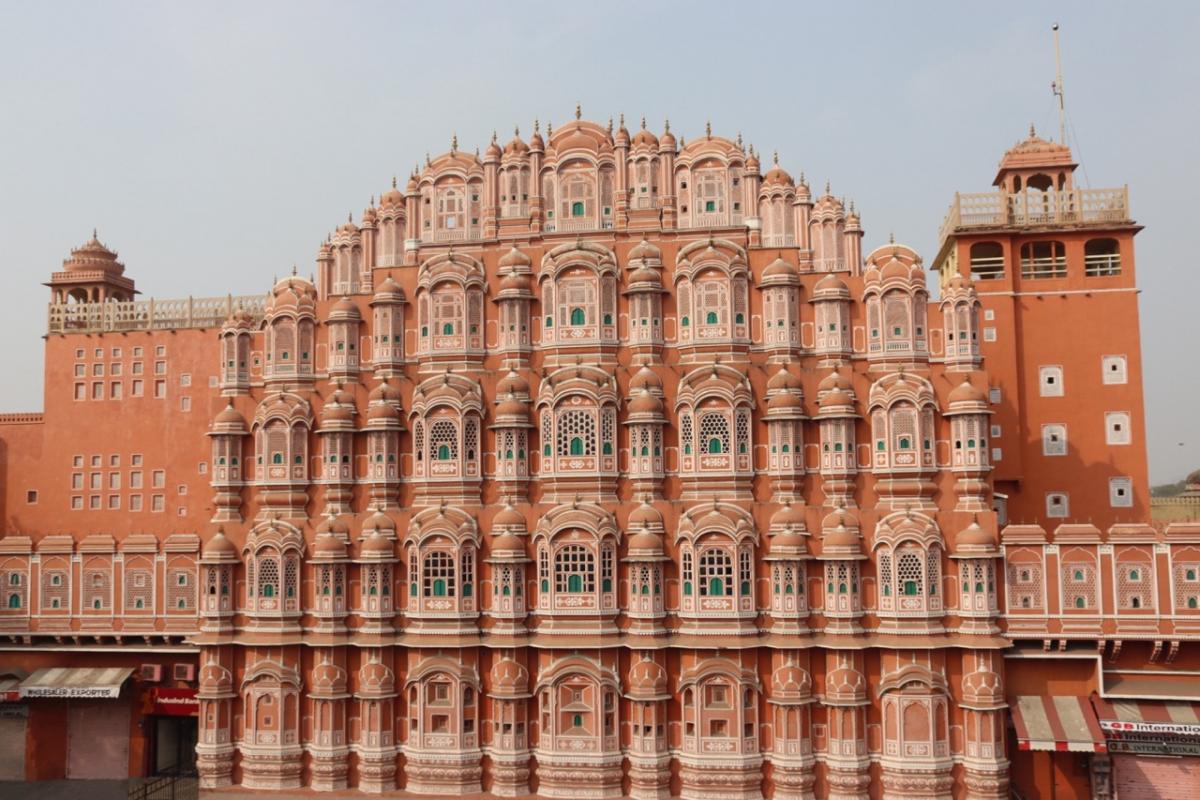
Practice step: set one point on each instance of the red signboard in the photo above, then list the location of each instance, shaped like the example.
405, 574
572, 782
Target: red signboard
175, 702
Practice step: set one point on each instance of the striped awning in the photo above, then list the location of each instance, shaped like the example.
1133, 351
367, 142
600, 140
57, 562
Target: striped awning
10, 688
1123, 717
1056, 723
102, 682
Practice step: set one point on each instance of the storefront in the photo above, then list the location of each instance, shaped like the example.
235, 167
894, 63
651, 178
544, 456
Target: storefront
14, 718
174, 715
1060, 749
1155, 747
97, 717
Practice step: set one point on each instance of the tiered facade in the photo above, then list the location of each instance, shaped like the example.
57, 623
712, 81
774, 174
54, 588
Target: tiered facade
598, 465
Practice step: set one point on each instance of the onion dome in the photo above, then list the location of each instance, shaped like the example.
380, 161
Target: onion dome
645, 546
1193, 479
347, 228
780, 271
645, 251
388, 293
293, 293
831, 287
219, 548
392, 197
328, 679
514, 258
380, 522
788, 530
790, 683
645, 516
643, 138
853, 220
515, 284
239, 319
958, 284
369, 216
975, 541
337, 415
840, 536
836, 404
982, 688
509, 519
644, 278
385, 392
647, 681
667, 140
515, 147
834, 380
845, 686
513, 384
334, 526
215, 680
785, 401
967, 392
645, 378
622, 137
229, 422
345, 309
382, 412
777, 177
492, 153
512, 411
411, 186
92, 256
644, 405
784, 381
508, 679
376, 546
535, 141
803, 194
752, 163
328, 546
375, 680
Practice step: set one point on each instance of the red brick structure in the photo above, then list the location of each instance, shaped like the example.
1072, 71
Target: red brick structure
606, 465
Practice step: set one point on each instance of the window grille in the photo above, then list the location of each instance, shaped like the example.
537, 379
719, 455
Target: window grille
574, 570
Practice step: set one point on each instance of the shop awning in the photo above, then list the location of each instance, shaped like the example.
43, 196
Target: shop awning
1056, 723
10, 688
101, 682
1122, 717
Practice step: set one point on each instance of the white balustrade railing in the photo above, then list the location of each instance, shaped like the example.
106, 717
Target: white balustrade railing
146, 315
1031, 207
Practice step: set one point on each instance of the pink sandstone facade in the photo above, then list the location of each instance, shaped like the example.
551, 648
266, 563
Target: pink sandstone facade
609, 465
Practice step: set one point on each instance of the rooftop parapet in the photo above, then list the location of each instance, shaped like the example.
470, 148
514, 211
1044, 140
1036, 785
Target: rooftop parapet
151, 315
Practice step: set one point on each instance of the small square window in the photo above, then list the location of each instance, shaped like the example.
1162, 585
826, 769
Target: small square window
989, 314
137, 352
997, 454
989, 334
136, 459
995, 396
158, 478
135, 502
77, 503
996, 431
1113, 369
1050, 381
94, 502
31, 497
1120, 492
1057, 505
157, 502
77, 461
79, 353
185, 404
160, 350
160, 389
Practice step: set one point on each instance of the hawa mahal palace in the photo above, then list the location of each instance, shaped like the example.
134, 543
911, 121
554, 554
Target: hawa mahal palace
608, 464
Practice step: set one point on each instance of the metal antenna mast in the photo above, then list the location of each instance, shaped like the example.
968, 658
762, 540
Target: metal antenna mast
1057, 88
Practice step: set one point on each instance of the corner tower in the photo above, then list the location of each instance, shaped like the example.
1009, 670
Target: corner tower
1053, 266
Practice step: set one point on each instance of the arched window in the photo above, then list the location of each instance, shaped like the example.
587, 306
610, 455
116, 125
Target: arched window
578, 317
574, 570
14, 601
716, 572
438, 574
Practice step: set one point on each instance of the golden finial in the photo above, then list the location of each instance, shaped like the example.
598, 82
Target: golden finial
578, 111
494, 137
739, 142
549, 129
610, 127
776, 158
802, 181
622, 119
667, 126
454, 143
826, 187
535, 126
95, 235
349, 216
393, 181
708, 130
293, 270
517, 130
891, 238
372, 201
643, 123
1032, 132
428, 160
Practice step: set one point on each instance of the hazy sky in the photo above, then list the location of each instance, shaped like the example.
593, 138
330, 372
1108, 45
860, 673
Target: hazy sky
214, 144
